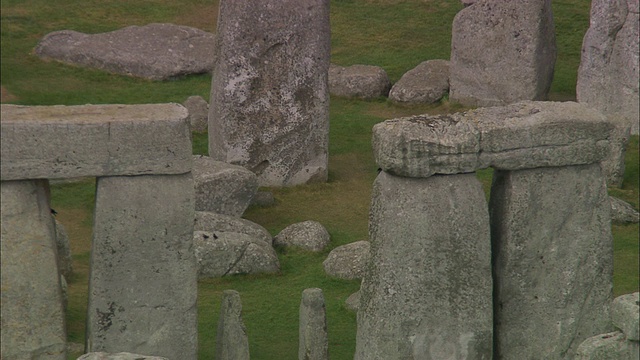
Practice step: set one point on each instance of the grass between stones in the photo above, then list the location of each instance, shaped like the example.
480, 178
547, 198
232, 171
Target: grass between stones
394, 34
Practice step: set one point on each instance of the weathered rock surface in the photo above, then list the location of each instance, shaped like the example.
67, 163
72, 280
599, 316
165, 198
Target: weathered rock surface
358, 81
118, 356
216, 223
198, 109
518, 136
609, 346
313, 337
309, 235
65, 263
221, 187
608, 74
613, 163
269, 97
348, 261
427, 83
229, 253
502, 52
622, 211
625, 315
153, 51
353, 301
232, 342
553, 260
415, 301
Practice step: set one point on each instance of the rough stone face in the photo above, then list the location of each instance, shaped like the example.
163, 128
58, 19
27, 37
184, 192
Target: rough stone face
552, 259
64, 291
229, 253
309, 235
608, 74
222, 188
502, 52
613, 164
353, 301
313, 338
358, 81
625, 314
63, 250
416, 301
427, 83
118, 356
518, 136
348, 261
57, 142
623, 212
33, 325
213, 222
143, 281
153, 51
610, 346
198, 109
232, 342
269, 100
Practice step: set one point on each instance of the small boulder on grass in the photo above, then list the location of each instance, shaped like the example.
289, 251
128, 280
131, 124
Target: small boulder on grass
309, 235
198, 109
622, 212
353, 301
358, 81
348, 261
427, 83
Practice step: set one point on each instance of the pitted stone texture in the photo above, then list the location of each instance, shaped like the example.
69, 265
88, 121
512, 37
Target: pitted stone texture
118, 356
269, 97
427, 83
416, 301
623, 212
348, 261
608, 74
353, 301
222, 188
552, 259
229, 253
518, 136
33, 324
56, 142
309, 235
502, 52
313, 337
609, 346
143, 281
63, 250
358, 81
625, 314
213, 222
153, 51
198, 109
613, 163
232, 342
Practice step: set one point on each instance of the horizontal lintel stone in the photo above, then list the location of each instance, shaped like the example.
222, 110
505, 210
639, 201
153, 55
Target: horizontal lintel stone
55, 142
525, 135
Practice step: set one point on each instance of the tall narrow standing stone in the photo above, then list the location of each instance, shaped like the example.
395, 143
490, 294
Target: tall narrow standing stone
313, 339
502, 52
143, 281
269, 109
32, 316
553, 260
427, 291
232, 342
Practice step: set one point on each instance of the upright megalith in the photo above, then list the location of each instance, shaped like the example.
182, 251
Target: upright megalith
232, 342
502, 52
32, 313
269, 108
553, 260
608, 76
427, 291
313, 340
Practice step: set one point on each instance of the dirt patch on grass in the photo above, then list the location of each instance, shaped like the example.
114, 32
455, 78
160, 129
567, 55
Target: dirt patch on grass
203, 17
6, 96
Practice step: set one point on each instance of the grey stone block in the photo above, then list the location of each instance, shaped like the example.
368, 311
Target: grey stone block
198, 109
232, 342
143, 281
348, 261
214, 222
33, 325
552, 259
309, 235
427, 291
358, 81
313, 337
625, 314
353, 301
623, 212
609, 346
53, 142
427, 83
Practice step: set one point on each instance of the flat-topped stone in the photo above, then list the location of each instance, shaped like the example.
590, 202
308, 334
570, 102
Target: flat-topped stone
519, 136
54, 142
625, 314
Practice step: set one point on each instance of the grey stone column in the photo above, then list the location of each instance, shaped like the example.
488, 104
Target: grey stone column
426, 293
143, 281
313, 343
232, 342
32, 314
552, 260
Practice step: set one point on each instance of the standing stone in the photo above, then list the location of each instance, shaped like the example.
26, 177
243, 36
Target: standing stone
269, 108
608, 74
232, 342
143, 281
427, 292
32, 314
553, 260
314, 341
613, 164
502, 52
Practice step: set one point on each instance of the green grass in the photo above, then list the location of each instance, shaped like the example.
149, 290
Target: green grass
394, 34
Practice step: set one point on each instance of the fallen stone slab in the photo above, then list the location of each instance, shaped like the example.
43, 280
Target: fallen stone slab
623, 212
518, 136
309, 235
214, 222
232, 342
118, 356
358, 81
54, 142
153, 51
348, 261
427, 83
